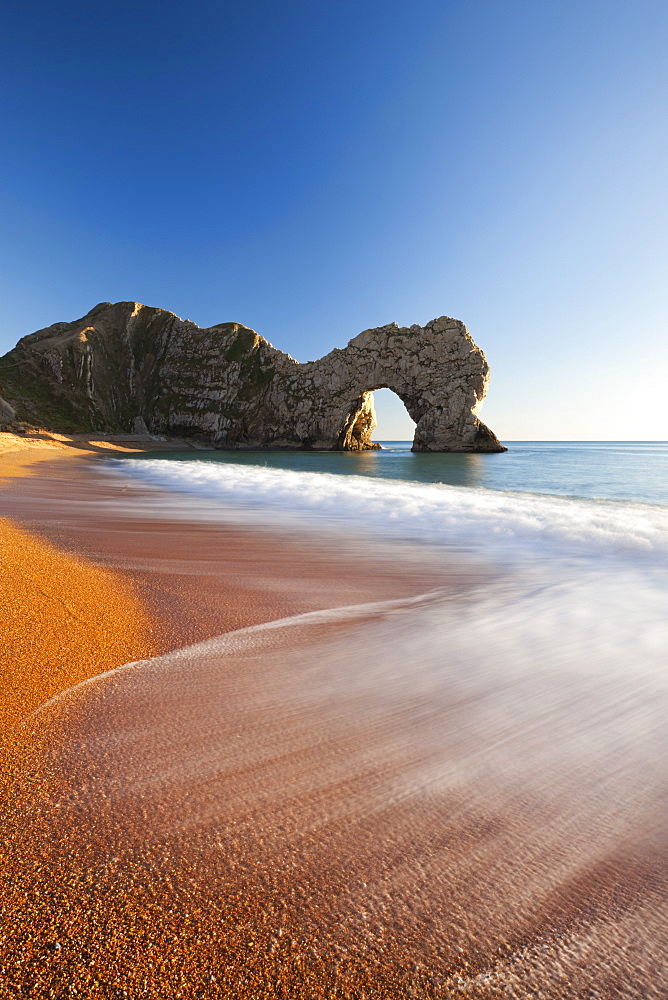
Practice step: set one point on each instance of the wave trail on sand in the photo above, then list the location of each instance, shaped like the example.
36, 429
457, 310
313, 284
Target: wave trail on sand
455, 796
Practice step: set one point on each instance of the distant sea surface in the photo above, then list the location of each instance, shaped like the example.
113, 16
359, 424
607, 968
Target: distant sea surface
601, 470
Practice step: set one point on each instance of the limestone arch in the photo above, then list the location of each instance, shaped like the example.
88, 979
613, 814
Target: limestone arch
146, 367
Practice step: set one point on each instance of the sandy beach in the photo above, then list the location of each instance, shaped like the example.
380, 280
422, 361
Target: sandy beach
283, 811
87, 589
88, 586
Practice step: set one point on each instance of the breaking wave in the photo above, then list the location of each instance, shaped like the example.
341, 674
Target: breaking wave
502, 525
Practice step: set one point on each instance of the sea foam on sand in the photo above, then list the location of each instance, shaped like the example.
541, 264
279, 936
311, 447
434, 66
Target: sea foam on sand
458, 794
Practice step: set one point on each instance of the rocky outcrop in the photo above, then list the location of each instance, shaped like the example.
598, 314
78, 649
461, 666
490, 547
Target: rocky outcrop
7, 412
128, 366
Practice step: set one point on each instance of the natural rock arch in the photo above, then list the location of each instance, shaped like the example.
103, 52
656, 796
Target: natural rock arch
128, 366
437, 371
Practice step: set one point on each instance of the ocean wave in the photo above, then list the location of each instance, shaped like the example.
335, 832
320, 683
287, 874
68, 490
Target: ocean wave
498, 524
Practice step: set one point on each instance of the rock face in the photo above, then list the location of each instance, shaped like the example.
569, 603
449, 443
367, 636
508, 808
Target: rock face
128, 367
7, 412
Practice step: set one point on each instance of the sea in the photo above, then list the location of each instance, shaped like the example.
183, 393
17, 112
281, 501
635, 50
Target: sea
605, 499
460, 793
576, 532
573, 534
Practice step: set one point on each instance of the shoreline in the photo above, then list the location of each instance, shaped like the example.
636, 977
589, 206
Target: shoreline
135, 586
168, 582
64, 618
352, 803
184, 582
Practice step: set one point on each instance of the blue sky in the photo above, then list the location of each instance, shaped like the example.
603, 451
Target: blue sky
315, 169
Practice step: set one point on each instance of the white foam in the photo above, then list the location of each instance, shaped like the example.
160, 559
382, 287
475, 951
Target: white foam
501, 525
579, 614
585, 581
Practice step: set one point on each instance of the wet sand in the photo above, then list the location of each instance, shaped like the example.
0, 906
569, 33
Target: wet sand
286, 812
87, 587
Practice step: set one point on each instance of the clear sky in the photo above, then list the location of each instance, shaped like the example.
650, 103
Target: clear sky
312, 169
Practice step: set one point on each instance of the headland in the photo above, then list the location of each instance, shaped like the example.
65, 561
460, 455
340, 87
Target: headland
129, 367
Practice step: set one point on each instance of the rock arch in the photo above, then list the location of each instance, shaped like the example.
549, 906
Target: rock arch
437, 371
126, 365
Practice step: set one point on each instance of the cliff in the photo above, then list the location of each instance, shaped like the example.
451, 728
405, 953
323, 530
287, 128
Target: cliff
126, 366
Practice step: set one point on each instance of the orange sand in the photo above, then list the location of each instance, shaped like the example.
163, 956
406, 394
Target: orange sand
62, 620
68, 618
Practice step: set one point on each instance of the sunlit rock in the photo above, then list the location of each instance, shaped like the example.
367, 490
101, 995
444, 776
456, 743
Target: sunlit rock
126, 366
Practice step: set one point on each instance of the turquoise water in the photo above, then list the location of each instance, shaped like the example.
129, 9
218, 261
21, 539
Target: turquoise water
600, 500
607, 470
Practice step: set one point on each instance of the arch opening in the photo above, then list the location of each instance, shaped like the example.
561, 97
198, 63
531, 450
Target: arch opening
362, 430
393, 421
